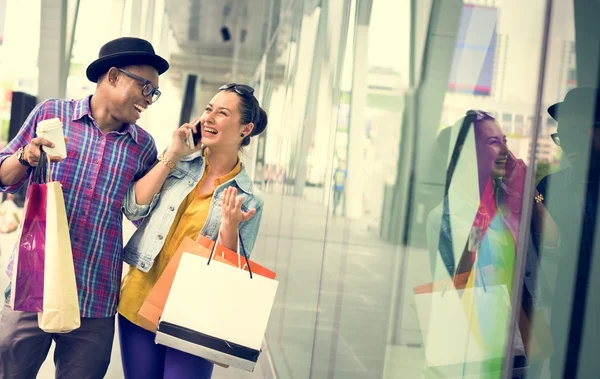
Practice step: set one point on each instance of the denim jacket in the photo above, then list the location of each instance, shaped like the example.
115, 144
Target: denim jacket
149, 238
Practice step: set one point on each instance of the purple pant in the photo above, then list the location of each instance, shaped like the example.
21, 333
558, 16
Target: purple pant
142, 358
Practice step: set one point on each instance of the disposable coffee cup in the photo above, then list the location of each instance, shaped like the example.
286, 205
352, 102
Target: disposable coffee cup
52, 130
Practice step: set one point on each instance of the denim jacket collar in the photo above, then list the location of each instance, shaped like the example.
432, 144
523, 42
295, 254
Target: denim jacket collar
243, 181
192, 156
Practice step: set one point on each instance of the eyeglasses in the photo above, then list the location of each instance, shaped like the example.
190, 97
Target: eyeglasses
572, 133
148, 89
241, 89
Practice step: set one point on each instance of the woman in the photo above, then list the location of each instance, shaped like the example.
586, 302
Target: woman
190, 192
477, 166
476, 228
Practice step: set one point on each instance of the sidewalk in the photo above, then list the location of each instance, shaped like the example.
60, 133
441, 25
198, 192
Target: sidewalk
114, 371
332, 314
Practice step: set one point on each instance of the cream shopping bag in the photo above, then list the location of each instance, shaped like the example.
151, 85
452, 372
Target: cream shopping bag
447, 325
61, 304
217, 311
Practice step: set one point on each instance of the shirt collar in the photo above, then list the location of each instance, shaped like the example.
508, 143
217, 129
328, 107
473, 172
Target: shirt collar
82, 109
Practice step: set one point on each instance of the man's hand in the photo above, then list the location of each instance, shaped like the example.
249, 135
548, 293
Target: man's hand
31, 152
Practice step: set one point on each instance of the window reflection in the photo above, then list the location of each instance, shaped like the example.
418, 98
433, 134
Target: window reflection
566, 235
473, 236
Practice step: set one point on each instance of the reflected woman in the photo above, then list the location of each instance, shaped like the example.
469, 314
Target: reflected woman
474, 231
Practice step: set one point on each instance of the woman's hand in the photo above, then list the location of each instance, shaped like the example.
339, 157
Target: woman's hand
179, 146
231, 217
516, 170
232, 209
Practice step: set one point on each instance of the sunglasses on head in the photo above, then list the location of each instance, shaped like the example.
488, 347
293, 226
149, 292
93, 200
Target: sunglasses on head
480, 115
241, 89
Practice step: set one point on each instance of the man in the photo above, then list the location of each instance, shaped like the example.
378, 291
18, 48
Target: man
339, 184
571, 198
106, 153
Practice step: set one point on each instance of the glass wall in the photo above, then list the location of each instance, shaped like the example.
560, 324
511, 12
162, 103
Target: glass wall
426, 215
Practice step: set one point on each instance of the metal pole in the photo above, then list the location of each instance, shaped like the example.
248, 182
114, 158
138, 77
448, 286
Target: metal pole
527, 206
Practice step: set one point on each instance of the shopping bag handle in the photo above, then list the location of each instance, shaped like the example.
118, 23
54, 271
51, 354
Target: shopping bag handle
241, 249
40, 172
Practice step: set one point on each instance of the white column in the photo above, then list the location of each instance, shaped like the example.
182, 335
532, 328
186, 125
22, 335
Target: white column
117, 10
136, 18
162, 48
21, 40
356, 132
52, 51
149, 22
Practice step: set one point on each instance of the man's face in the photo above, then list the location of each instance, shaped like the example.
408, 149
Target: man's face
577, 137
126, 99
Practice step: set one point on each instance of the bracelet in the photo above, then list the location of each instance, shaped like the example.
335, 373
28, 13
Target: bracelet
166, 161
20, 158
539, 198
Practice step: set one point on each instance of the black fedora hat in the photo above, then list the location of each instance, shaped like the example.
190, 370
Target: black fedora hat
583, 102
125, 51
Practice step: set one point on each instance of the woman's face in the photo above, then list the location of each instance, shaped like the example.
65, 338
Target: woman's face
492, 152
221, 121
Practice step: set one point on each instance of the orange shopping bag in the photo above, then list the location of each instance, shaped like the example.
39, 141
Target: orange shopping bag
458, 282
153, 307
234, 258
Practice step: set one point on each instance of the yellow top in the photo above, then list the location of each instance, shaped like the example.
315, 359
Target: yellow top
188, 222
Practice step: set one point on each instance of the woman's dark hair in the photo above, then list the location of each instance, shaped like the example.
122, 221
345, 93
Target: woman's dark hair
445, 246
473, 117
250, 111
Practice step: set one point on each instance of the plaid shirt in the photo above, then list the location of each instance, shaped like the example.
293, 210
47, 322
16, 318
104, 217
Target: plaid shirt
95, 177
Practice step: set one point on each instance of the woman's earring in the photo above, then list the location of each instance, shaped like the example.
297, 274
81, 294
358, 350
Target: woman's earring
242, 135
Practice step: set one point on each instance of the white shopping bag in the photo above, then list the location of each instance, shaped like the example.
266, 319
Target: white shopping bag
61, 303
217, 311
446, 327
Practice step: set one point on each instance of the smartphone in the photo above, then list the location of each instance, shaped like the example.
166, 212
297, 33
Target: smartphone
196, 137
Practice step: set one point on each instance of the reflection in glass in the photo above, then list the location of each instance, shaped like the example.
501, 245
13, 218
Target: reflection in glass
472, 235
567, 235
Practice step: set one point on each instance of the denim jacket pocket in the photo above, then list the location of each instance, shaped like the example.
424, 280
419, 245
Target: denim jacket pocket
174, 176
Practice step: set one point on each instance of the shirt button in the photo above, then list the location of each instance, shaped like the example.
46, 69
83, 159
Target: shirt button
171, 208
83, 213
76, 239
143, 265
160, 237
191, 183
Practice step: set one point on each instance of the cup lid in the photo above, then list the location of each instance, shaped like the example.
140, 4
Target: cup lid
49, 123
